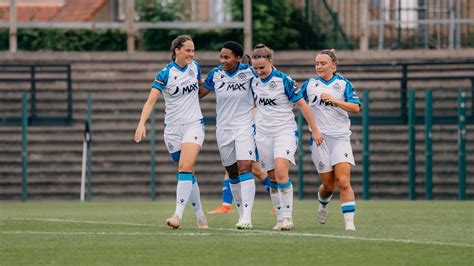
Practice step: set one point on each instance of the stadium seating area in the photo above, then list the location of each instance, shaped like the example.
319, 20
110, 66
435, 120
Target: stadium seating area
120, 83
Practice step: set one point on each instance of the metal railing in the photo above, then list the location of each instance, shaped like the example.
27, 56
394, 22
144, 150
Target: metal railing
36, 79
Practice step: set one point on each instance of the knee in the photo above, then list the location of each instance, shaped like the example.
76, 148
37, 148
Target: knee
244, 167
185, 167
281, 175
329, 187
344, 184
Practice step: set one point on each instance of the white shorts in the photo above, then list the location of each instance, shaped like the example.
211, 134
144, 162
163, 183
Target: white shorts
272, 147
331, 152
176, 135
236, 144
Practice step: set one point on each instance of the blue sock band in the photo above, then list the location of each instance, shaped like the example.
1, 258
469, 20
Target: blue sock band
185, 176
274, 185
266, 183
245, 177
285, 185
226, 192
235, 180
348, 208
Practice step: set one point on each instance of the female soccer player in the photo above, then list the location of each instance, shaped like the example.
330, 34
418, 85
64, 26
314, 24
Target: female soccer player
275, 93
235, 132
179, 82
331, 97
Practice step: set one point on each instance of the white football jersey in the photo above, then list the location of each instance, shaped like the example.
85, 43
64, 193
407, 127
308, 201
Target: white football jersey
234, 101
274, 98
180, 90
332, 121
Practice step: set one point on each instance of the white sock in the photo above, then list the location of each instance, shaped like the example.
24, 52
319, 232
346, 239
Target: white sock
323, 202
195, 200
247, 192
183, 191
286, 191
276, 200
235, 189
348, 210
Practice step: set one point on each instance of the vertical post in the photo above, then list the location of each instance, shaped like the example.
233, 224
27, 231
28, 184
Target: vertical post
403, 93
13, 28
153, 154
335, 31
399, 25
248, 26
69, 95
412, 151
462, 144
130, 7
364, 28
458, 25
428, 146
366, 152
452, 24
381, 25
24, 147
89, 148
33, 93
300, 155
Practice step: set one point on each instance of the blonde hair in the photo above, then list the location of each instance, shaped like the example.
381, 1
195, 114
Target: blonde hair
262, 51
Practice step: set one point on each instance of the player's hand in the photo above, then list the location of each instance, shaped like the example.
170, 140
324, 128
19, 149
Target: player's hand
140, 133
328, 99
317, 137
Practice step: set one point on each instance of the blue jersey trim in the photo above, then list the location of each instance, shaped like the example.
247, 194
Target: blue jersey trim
269, 77
329, 81
178, 67
209, 82
161, 79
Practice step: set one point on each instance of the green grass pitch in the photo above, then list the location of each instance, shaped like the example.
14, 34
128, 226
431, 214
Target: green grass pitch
133, 233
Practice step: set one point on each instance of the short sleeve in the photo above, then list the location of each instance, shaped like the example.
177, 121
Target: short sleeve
350, 94
291, 89
161, 79
304, 89
209, 82
198, 70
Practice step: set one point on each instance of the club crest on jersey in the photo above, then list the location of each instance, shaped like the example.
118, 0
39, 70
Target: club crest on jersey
273, 85
242, 76
191, 73
337, 87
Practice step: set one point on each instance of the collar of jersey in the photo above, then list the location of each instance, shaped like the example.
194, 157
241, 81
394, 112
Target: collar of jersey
329, 81
178, 67
269, 77
232, 74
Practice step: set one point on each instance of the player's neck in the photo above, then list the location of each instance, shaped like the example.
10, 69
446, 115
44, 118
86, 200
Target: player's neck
328, 78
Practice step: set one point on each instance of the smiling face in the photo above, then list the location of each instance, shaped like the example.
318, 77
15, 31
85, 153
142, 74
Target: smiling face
185, 54
325, 67
229, 60
262, 66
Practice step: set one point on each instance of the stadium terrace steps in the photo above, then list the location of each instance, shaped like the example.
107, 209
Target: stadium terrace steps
119, 85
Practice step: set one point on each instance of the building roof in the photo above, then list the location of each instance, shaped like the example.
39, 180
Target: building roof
53, 10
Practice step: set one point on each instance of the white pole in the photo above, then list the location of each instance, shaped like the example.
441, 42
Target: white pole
248, 26
12, 34
83, 173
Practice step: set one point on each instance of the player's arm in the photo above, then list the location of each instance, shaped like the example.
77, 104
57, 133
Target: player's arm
346, 106
140, 133
308, 115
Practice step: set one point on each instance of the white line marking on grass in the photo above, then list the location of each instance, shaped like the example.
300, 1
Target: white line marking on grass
59, 220
232, 232
102, 233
